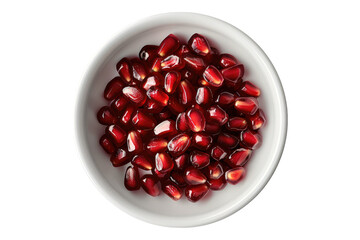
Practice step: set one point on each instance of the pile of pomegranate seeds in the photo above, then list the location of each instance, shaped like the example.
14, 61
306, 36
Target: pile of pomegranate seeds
182, 115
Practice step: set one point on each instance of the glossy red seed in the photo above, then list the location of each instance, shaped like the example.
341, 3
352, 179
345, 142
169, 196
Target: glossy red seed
143, 121
153, 80
164, 114
195, 193
196, 120
148, 52
233, 176
214, 170
127, 115
225, 99
138, 70
194, 176
179, 144
236, 124
233, 84
181, 161
175, 106
116, 134
202, 140
172, 62
227, 60
142, 161
186, 93
194, 63
257, 120
165, 128
172, 190
172, 81
199, 44
163, 162
158, 95
213, 57
178, 178
119, 104
132, 179
168, 45
227, 140
181, 122
217, 184
218, 115
204, 96
113, 88
201, 82
249, 89
233, 73
152, 106
183, 49
213, 76
105, 116
199, 159
212, 128
250, 139
247, 105
150, 184
239, 157
156, 65
156, 145
135, 94
159, 175
134, 142
107, 144
120, 157
124, 69
218, 153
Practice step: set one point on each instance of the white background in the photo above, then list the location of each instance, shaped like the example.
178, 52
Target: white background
45, 48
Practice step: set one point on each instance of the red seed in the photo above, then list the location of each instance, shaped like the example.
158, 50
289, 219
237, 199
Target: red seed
153, 80
199, 44
233, 73
227, 140
194, 176
195, 120
217, 114
175, 106
153, 106
204, 96
214, 170
194, 63
119, 104
127, 115
158, 95
142, 121
233, 176
116, 134
236, 124
213, 57
120, 157
227, 60
159, 175
239, 157
178, 178
156, 65
172, 81
217, 184
181, 161
168, 45
195, 193
105, 116
218, 153
142, 161
212, 128
113, 88
235, 84
213, 76
181, 123
179, 144
249, 89
132, 179
148, 52
135, 94
250, 139
124, 69
165, 128
257, 120
172, 190
202, 140
134, 142
186, 93
247, 105
150, 184
199, 159
156, 145
163, 162
106, 144
172, 62
225, 99
183, 49
164, 114
138, 69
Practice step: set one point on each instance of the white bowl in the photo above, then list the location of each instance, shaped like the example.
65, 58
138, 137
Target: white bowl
217, 204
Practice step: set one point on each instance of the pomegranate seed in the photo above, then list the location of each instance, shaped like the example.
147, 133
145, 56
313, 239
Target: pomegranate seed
199, 44
159, 175
195, 193
183, 49
142, 161
233, 84
175, 106
225, 99
172, 81
153, 80
172, 190
214, 170
113, 88
126, 117
217, 184
212, 128
186, 92
156, 145
168, 45
172, 62
165, 114
135, 94
213, 57
124, 69
156, 65
143, 121
213, 76
239, 157
105, 116
227, 60
148, 52
178, 178
249, 89
134, 142
106, 144
179, 144
233, 176
204, 96
200, 108
181, 122
117, 135
227, 140
202, 141
132, 179
257, 120
199, 159
119, 158
218, 153
236, 124
153, 106
194, 63
165, 128
181, 161
164, 162
119, 104
250, 139
217, 114
194, 176
233, 73
247, 105
158, 95
195, 120
138, 69
150, 184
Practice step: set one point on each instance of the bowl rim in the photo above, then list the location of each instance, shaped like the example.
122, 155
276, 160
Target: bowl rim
103, 186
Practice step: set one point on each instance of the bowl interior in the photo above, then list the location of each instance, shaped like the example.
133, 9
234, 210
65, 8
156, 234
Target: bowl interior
162, 210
